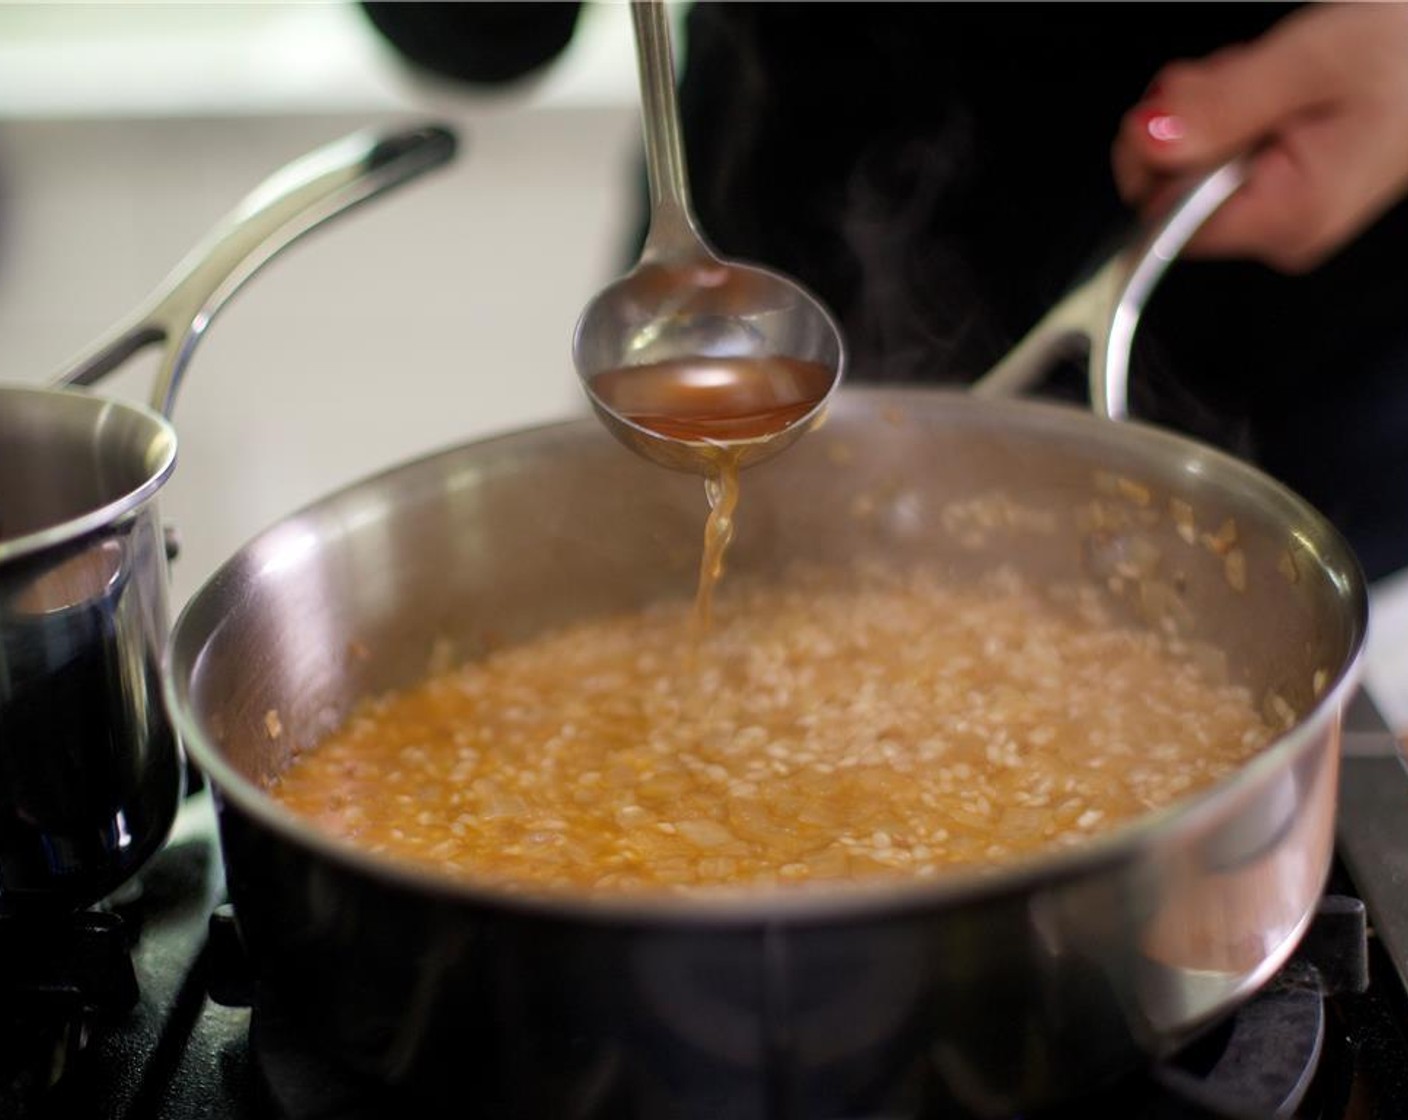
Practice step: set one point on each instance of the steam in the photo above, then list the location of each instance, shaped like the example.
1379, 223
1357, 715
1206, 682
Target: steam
916, 313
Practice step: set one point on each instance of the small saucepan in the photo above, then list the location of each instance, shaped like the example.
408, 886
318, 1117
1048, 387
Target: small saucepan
993, 992
89, 769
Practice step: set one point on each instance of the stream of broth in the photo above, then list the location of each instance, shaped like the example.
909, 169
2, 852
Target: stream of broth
726, 403
722, 489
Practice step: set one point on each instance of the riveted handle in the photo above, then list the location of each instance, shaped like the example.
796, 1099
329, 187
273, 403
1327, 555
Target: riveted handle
280, 210
1100, 315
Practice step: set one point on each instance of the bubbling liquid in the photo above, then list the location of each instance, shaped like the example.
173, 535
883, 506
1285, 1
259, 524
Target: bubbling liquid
829, 729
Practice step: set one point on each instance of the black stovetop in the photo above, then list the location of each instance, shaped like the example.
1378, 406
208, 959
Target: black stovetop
1326, 1039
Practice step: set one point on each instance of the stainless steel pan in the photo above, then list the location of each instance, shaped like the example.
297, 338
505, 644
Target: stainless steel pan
994, 992
89, 773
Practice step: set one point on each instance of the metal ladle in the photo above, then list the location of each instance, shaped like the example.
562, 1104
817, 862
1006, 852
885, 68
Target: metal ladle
683, 302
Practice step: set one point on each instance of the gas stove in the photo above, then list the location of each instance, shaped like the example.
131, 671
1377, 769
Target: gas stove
144, 1007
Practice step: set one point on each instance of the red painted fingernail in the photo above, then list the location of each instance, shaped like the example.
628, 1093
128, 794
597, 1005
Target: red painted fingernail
1161, 125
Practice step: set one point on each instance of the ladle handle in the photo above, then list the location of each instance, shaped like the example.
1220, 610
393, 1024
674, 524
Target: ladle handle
673, 233
285, 206
1101, 313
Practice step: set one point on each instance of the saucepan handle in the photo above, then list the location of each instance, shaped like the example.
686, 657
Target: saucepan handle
1100, 315
285, 206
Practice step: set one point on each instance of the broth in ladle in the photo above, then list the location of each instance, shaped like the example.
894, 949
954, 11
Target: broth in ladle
726, 403
715, 400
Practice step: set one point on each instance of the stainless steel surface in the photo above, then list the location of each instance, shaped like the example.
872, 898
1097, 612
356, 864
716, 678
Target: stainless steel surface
87, 756
682, 300
1101, 314
1098, 956
89, 773
74, 463
1121, 948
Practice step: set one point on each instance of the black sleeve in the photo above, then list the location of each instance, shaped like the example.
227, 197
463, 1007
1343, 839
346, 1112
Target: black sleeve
475, 42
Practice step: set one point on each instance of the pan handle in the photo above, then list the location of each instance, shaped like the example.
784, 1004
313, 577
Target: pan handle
1100, 315
281, 209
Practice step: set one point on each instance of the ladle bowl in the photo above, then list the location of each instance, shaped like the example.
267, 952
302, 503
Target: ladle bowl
746, 357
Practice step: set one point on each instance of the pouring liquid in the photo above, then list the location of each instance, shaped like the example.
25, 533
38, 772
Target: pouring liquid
726, 403
722, 490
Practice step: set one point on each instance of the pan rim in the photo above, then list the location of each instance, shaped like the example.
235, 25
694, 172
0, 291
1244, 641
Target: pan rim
163, 439
752, 907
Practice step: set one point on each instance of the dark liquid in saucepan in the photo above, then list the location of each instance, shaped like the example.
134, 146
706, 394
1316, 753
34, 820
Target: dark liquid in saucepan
725, 402
89, 770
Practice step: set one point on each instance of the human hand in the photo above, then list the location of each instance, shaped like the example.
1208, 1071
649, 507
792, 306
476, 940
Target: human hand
1321, 103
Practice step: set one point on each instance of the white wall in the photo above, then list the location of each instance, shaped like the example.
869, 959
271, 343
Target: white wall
436, 315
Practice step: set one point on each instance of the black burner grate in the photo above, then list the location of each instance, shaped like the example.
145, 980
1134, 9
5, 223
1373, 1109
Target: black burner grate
1314, 1044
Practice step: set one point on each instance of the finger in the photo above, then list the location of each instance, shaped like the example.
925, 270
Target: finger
1253, 223
1132, 172
1199, 113
1312, 191
1325, 164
